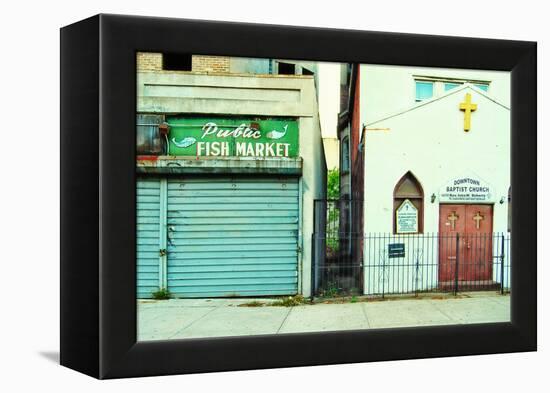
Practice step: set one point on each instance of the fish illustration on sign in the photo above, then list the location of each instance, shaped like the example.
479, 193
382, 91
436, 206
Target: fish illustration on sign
185, 142
274, 134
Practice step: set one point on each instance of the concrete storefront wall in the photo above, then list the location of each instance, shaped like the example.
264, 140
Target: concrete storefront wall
247, 65
175, 92
313, 187
251, 95
429, 140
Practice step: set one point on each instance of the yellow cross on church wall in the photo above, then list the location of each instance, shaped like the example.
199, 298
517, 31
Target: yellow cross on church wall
468, 107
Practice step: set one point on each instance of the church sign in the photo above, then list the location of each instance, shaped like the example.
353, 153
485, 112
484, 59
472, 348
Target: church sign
230, 137
406, 218
396, 250
466, 189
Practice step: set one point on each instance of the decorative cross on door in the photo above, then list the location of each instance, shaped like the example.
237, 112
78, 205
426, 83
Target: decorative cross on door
452, 218
477, 218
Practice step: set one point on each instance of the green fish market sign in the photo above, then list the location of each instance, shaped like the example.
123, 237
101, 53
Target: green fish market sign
217, 137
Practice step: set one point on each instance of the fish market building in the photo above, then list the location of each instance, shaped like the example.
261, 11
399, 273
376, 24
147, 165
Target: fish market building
229, 163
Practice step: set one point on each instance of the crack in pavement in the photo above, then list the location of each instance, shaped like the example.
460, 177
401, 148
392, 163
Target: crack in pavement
365, 314
284, 320
445, 314
193, 322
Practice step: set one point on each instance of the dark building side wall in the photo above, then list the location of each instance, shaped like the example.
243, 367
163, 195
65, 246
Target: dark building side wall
357, 175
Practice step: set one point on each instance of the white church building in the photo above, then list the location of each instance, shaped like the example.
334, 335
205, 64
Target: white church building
436, 150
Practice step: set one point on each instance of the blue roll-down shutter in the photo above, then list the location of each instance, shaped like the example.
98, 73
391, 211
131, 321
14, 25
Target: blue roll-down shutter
148, 236
232, 236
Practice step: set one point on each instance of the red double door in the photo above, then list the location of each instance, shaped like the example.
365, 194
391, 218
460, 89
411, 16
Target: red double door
466, 243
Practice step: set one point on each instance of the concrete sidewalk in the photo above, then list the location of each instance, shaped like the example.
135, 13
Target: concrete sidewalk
195, 318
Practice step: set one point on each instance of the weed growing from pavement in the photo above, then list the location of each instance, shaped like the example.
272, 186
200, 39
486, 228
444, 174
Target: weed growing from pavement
291, 301
162, 294
331, 291
253, 303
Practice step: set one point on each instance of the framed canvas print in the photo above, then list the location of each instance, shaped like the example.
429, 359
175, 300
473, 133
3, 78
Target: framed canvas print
297, 196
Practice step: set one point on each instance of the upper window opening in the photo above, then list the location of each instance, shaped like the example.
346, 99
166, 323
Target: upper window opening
482, 87
424, 90
450, 86
427, 87
287, 69
177, 62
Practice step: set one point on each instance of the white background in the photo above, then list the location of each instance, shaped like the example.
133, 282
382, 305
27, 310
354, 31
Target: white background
29, 279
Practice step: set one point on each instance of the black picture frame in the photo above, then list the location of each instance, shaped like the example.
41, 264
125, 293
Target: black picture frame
98, 268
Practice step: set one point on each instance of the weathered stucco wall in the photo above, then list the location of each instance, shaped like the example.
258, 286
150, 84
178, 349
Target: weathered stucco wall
265, 95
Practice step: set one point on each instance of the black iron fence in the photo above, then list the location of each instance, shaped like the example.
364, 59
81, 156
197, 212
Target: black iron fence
337, 249
380, 264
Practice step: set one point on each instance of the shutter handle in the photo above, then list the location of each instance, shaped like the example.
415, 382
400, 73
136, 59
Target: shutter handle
169, 235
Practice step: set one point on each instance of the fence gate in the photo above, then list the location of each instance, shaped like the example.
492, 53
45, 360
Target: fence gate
337, 248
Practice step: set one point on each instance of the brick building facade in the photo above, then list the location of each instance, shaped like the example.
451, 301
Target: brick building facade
147, 61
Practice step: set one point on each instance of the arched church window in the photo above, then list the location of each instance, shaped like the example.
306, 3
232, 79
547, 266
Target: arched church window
408, 205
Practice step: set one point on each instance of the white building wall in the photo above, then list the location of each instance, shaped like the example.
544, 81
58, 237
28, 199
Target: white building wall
328, 79
386, 90
328, 75
429, 140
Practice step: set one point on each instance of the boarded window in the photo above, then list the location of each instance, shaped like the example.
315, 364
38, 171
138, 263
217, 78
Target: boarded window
408, 187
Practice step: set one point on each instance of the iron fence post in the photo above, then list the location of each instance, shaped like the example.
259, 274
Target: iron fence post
502, 264
314, 261
383, 266
417, 266
456, 261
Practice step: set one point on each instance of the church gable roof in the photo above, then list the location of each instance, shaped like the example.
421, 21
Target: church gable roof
465, 86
